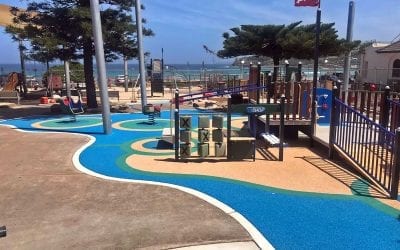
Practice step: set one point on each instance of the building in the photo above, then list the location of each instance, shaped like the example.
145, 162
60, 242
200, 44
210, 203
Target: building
380, 64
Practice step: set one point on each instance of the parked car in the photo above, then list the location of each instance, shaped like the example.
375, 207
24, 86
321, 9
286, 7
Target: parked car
32, 82
120, 79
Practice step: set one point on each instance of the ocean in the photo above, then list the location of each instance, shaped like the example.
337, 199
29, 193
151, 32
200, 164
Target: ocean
185, 71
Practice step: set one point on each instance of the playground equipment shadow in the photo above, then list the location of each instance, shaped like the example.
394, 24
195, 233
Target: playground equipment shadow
297, 186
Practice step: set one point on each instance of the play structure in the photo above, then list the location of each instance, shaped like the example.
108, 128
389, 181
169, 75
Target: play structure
15, 82
233, 147
244, 147
13, 87
205, 135
260, 89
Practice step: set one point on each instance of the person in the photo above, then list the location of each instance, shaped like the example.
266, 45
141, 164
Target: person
356, 75
372, 87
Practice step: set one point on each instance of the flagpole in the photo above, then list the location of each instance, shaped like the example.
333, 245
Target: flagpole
347, 61
315, 75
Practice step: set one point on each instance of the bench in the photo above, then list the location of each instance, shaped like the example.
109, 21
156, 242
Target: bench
111, 94
271, 139
10, 95
168, 135
242, 148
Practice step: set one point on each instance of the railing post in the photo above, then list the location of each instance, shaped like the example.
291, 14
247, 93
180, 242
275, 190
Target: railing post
333, 122
229, 128
281, 127
384, 118
396, 166
176, 116
258, 82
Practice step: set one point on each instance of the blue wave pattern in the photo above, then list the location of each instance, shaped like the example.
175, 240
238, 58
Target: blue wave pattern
288, 219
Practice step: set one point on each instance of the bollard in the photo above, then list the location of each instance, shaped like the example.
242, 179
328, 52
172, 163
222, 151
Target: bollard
3, 231
333, 122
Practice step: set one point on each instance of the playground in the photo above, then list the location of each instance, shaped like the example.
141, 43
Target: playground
249, 160
305, 200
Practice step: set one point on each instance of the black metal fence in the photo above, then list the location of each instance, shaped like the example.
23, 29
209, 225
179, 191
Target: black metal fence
394, 115
369, 145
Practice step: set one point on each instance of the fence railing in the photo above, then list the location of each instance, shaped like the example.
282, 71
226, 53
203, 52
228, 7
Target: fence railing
381, 77
369, 145
394, 117
379, 106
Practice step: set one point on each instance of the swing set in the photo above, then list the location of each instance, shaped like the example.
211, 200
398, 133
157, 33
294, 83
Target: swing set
73, 105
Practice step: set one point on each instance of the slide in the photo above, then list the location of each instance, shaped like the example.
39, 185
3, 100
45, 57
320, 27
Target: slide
12, 82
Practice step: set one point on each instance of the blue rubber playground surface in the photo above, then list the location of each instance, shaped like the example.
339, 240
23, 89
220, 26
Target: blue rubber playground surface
287, 219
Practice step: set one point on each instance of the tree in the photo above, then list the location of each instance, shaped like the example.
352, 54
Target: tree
61, 29
283, 41
76, 69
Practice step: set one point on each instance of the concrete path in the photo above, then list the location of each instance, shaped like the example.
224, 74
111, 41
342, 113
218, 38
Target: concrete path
47, 204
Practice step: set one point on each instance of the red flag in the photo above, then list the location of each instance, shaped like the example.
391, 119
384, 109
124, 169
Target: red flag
301, 3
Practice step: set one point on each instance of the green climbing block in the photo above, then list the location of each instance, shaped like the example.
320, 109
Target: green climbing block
220, 149
203, 135
185, 136
185, 150
204, 121
217, 135
186, 122
218, 121
203, 149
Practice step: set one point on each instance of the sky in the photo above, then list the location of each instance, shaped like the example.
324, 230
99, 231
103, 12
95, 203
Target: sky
182, 27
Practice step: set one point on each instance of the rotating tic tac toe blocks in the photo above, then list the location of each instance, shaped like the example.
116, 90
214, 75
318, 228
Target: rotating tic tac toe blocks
217, 135
204, 121
185, 136
203, 149
185, 150
185, 122
203, 135
220, 149
218, 121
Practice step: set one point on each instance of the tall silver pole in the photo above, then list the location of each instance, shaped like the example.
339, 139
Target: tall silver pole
101, 65
22, 59
315, 77
141, 54
126, 73
349, 38
67, 78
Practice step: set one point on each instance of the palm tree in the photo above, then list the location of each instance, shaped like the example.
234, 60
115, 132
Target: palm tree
283, 42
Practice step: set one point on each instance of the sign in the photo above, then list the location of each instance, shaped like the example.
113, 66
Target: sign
305, 3
258, 109
255, 110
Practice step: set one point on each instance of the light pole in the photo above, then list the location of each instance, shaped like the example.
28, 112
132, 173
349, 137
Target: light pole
141, 53
241, 70
286, 71
299, 72
101, 65
22, 60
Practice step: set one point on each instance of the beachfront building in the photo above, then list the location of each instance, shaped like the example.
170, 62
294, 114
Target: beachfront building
381, 64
